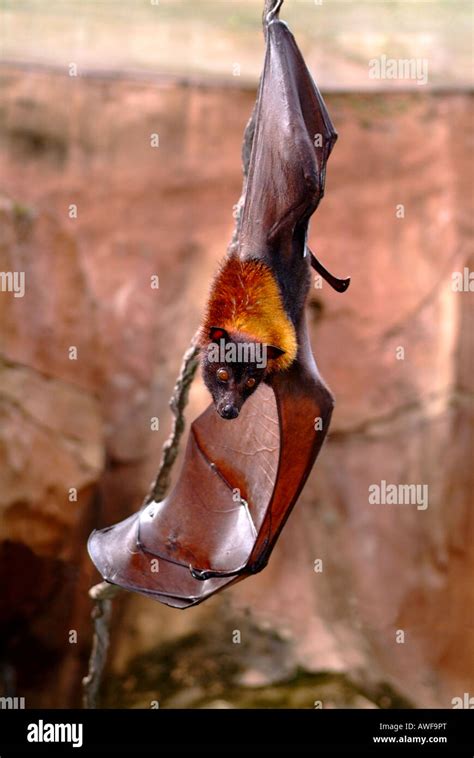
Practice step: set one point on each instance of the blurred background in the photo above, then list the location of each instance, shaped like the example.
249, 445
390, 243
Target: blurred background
90, 209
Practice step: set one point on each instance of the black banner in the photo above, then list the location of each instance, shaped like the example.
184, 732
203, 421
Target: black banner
284, 732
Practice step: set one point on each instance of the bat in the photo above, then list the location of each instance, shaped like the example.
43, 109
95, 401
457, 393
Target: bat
240, 480
257, 298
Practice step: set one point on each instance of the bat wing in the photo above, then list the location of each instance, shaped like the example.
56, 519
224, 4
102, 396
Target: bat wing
293, 138
238, 484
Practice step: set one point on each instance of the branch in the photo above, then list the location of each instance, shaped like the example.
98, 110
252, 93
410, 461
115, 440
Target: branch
101, 614
178, 402
246, 152
103, 593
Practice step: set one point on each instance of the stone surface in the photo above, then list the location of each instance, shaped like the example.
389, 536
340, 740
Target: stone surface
166, 211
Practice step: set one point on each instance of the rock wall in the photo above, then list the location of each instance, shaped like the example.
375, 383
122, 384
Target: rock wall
90, 211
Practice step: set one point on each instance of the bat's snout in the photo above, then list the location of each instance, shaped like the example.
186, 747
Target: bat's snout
228, 411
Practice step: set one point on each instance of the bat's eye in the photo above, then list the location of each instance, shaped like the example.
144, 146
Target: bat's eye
223, 375
250, 382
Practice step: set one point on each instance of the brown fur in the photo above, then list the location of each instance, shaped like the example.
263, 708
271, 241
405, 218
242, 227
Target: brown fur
245, 299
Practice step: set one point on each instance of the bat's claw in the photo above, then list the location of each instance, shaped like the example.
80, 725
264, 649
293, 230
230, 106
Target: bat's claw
340, 285
200, 574
273, 12
204, 574
343, 284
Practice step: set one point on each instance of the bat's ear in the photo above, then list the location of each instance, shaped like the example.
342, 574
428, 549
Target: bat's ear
216, 334
274, 352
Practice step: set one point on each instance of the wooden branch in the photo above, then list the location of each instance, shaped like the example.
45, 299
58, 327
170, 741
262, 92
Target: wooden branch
246, 152
178, 402
103, 593
101, 614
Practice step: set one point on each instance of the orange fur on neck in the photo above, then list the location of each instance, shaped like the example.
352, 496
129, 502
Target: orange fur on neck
245, 298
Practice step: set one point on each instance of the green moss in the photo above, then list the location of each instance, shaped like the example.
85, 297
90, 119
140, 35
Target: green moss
206, 670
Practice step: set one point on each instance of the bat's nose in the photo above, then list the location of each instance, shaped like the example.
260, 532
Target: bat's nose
229, 411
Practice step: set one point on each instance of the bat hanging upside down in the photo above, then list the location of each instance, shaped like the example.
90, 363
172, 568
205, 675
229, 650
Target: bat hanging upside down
254, 331
258, 295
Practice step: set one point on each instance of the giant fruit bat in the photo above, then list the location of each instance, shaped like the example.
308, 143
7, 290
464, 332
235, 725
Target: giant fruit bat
241, 478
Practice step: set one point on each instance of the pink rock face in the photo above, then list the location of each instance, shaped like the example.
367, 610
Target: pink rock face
52, 427
391, 599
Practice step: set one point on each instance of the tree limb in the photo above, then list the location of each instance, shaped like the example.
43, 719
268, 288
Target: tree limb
103, 593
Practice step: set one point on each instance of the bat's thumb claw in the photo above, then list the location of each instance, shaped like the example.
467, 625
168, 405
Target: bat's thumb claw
273, 12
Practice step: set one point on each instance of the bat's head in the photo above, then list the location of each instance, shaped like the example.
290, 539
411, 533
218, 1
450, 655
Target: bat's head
233, 365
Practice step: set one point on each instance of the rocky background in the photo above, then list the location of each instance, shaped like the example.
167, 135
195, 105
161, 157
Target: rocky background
90, 211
